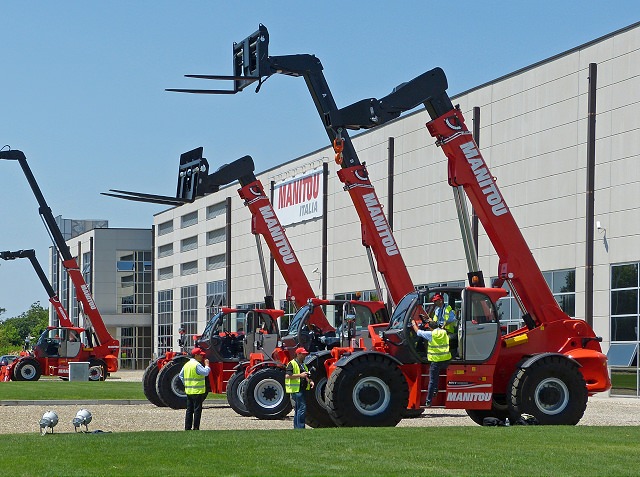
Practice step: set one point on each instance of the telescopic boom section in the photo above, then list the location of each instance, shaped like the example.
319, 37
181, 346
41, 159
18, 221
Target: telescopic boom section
195, 180
466, 168
252, 63
63, 316
83, 293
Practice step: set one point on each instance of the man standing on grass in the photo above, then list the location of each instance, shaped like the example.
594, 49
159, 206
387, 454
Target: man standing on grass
193, 375
296, 383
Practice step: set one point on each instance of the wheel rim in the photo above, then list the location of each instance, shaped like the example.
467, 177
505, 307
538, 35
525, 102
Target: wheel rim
240, 390
371, 396
268, 393
177, 387
551, 396
28, 371
319, 392
95, 373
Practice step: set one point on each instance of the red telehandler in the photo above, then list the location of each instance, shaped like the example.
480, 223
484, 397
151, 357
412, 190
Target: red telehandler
257, 386
546, 369
263, 370
100, 349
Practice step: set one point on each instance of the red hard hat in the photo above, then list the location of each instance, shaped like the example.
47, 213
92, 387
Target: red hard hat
197, 351
436, 297
301, 351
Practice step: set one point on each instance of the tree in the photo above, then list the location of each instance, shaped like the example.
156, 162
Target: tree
13, 331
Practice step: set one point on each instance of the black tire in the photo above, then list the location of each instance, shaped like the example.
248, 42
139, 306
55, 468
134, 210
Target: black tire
169, 385
235, 389
499, 410
97, 370
317, 414
264, 394
369, 391
27, 370
149, 382
551, 389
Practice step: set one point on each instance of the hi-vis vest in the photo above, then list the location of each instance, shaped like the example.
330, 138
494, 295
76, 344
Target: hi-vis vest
292, 385
449, 327
438, 349
193, 382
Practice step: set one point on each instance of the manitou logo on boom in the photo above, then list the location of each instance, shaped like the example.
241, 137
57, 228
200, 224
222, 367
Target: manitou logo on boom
87, 295
380, 223
485, 181
277, 233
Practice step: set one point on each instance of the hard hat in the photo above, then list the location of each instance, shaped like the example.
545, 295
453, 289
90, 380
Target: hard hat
301, 351
197, 352
436, 297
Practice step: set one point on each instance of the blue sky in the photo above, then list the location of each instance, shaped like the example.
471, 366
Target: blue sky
82, 89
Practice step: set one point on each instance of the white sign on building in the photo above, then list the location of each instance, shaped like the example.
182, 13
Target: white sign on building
300, 198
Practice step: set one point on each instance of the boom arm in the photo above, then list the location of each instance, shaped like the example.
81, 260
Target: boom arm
53, 297
83, 293
264, 219
252, 63
467, 169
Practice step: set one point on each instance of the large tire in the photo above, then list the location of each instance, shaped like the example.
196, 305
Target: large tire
149, 381
499, 410
264, 394
235, 389
170, 387
369, 391
27, 370
97, 370
551, 389
317, 414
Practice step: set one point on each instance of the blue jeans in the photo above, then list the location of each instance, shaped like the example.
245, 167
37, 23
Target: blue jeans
300, 404
435, 368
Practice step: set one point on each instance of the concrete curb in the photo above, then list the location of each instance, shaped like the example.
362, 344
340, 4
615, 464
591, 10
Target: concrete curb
72, 402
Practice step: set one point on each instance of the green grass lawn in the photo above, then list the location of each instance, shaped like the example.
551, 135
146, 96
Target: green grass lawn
467, 451
56, 389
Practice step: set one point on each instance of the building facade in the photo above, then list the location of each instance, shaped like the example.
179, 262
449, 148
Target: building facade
117, 266
533, 128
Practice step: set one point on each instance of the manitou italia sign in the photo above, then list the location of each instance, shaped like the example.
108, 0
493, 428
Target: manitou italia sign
300, 198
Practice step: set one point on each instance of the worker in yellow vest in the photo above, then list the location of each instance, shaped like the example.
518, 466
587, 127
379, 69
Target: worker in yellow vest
297, 382
438, 354
446, 319
193, 376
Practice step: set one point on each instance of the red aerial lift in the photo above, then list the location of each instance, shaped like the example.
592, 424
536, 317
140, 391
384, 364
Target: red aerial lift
101, 349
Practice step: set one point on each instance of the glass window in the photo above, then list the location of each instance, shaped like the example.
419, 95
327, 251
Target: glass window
134, 276
189, 268
216, 236
624, 302
189, 309
190, 243
216, 294
625, 317
165, 227
189, 219
217, 261
165, 321
165, 273
622, 354
216, 210
165, 250
624, 276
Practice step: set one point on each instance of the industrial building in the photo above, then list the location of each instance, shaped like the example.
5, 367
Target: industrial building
535, 134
